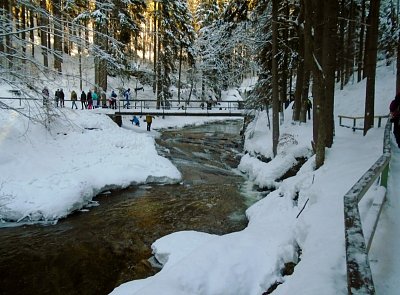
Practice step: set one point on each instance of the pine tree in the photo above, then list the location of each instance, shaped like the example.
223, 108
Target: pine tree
175, 32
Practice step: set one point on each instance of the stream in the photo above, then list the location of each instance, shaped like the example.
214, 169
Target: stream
97, 249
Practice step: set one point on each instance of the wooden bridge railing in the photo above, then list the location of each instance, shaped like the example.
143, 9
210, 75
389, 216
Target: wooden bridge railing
359, 277
354, 121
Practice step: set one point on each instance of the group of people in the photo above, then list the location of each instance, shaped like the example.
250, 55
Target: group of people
89, 100
59, 97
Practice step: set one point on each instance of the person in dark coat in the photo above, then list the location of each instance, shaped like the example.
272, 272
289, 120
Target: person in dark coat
89, 100
61, 96
83, 100
149, 120
309, 107
113, 100
56, 97
74, 98
395, 117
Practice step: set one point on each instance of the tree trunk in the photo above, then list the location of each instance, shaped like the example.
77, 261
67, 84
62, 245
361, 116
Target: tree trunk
31, 33
179, 74
155, 48
299, 88
342, 50
329, 66
43, 34
9, 45
100, 63
349, 45
57, 36
305, 91
316, 8
367, 45
275, 90
66, 33
361, 43
285, 67
308, 60
371, 50
80, 67
398, 52
144, 40
398, 66
23, 34
300, 67
3, 5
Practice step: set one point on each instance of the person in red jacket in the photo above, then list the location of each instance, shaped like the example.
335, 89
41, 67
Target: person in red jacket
395, 117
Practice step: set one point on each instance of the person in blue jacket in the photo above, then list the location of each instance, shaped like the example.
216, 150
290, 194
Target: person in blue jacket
135, 121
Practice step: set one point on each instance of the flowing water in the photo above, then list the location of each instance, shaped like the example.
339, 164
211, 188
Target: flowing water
95, 250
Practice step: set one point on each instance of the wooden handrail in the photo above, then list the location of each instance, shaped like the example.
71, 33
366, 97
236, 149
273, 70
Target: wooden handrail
359, 277
355, 118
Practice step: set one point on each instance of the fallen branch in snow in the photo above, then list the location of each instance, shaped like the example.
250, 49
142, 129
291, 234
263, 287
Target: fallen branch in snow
302, 208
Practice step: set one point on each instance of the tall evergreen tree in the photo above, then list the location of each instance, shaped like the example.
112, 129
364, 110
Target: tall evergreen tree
371, 53
275, 86
57, 35
175, 32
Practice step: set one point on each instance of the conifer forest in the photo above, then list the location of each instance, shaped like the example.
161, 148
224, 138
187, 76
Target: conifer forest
295, 48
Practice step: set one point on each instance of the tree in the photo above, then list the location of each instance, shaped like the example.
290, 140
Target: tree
371, 53
30, 73
57, 36
275, 90
329, 66
175, 32
320, 34
43, 32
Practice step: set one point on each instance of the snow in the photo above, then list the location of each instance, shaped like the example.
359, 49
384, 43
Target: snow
48, 175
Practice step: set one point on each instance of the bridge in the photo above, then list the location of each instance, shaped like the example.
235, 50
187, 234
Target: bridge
181, 108
229, 108
177, 108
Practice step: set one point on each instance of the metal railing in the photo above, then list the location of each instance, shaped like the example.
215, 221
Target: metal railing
143, 105
359, 277
180, 108
180, 105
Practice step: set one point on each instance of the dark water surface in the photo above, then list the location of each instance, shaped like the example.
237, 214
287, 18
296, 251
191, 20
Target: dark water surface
93, 252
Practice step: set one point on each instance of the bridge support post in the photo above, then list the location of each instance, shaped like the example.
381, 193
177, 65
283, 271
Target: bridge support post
116, 118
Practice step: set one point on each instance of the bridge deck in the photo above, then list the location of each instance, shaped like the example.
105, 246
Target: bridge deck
216, 113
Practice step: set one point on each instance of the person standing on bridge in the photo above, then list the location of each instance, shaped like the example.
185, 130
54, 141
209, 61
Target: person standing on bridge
83, 100
103, 99
95, 99
127, 95
61, 96
56, 97
89, 99
74, 98
149, 120
113, 100
395, 117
